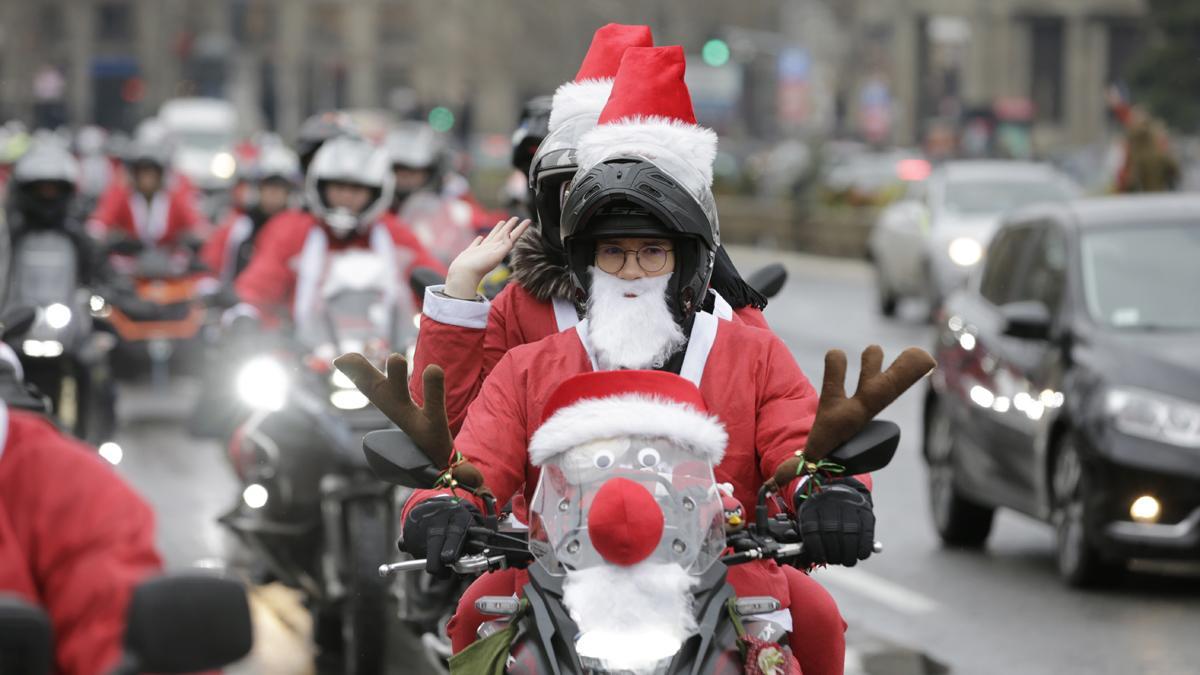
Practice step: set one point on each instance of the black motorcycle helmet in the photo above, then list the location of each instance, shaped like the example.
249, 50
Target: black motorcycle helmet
532, 129
632, 197
550, 173
44, 185
318, 129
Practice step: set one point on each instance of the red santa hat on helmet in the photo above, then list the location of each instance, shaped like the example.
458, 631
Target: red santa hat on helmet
588, 92
649, 115
615, 403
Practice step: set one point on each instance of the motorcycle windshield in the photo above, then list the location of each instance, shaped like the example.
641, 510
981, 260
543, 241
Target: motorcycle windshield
44, 270
680, 482
443, 225
357, 309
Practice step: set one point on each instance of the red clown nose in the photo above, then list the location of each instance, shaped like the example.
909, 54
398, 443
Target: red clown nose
624, 523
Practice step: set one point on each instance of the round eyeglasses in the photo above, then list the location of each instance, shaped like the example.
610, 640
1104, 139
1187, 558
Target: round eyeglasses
651, 258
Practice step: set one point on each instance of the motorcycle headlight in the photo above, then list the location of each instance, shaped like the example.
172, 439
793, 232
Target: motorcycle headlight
262, 384
57, 316
223, 165
964, 251
1155, 416
42, 349
348, 399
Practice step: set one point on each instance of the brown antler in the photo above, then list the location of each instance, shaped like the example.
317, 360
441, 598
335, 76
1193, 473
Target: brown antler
839, 418
425, 425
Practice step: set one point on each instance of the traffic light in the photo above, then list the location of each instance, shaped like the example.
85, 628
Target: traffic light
441, 119
715, 52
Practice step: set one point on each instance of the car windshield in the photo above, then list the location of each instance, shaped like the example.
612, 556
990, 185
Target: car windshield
204, 140
1143, 277
997, 196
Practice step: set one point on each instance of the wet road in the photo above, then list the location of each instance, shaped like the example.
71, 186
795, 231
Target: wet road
999, 611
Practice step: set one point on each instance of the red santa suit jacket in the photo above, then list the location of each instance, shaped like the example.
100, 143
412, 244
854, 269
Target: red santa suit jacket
278, 269
74, 539
161, 221
467, 338
219, 253
746, 375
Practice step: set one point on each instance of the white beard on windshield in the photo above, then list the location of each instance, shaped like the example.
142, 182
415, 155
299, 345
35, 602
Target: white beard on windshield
631, 617
631, 332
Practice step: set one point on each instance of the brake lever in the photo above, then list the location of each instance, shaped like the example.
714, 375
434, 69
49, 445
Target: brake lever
470, 564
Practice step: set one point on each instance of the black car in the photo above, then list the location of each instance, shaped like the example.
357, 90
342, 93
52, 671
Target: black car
1068, 385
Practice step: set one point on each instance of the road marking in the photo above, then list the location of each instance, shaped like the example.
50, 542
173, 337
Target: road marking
878, 589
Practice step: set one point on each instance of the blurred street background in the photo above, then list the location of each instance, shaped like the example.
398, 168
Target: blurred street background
841, 123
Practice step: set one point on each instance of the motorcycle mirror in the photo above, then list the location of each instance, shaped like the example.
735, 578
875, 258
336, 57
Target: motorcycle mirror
184, 623
769, 280
16, 320
422, 278
869, 450
395, 458
26, 638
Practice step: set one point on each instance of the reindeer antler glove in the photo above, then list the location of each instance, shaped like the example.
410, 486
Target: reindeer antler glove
839, 418
426, 425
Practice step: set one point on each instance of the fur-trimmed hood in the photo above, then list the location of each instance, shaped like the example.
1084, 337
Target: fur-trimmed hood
540, 270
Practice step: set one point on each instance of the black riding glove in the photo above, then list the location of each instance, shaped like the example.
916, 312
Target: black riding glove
437, 530
837, 523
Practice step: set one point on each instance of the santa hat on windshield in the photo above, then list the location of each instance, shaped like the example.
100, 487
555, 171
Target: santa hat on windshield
615, 403
649, 115
589, 91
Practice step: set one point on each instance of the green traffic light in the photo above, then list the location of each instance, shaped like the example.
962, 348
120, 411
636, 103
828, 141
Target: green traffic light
441, 119
715, 52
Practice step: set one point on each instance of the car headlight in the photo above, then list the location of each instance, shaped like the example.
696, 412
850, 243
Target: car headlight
262, 384
964, 251
1155, 416
57, 315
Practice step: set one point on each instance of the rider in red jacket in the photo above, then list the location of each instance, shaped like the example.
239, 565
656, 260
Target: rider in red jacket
348, 188
640, 236
465, 334
74, 539
147, 207
275, 175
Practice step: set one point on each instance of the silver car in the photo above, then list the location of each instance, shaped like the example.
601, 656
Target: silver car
926, 245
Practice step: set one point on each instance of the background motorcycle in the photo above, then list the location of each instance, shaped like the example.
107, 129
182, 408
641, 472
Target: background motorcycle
62, 352
310, 510
179, 623
153, 303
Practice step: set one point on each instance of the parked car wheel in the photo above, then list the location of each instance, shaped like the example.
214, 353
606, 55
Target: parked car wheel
887, 297
1079, 562
960, 522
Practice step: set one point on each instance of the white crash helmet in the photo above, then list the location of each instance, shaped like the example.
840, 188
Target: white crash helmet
415, 145
276, 161
349, 160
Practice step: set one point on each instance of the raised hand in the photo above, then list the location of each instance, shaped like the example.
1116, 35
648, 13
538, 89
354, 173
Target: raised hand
481, 257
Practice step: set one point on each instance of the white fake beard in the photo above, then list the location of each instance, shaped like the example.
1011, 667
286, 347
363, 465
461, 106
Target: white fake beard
631, 333
631, 617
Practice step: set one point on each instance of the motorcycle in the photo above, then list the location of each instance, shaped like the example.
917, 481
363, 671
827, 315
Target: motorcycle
153, 302
177, 623
542, 635
310, 510
66, 352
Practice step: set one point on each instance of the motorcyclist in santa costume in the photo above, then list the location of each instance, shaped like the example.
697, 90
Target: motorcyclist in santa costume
148, 207
467, 335
275, 174
640, 234
74, 539
347, 190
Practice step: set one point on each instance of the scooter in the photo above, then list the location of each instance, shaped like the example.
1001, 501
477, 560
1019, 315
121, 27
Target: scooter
310, 510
